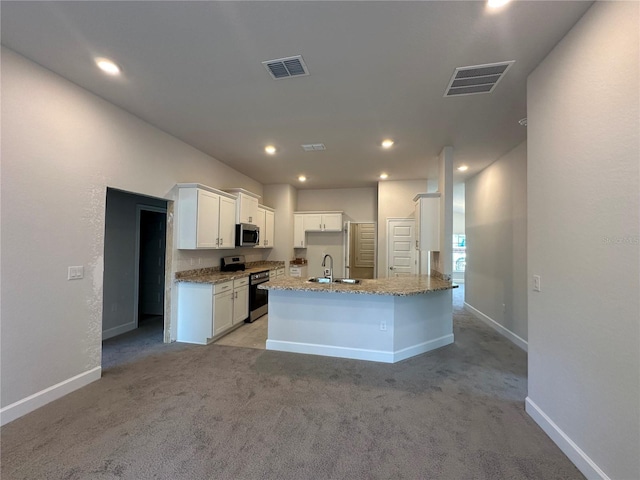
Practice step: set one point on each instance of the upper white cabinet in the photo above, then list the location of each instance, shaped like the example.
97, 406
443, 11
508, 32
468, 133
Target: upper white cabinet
206, 217
427, 216
246, 205
304, 222
266, 222
299, 238
323, 222
270, 228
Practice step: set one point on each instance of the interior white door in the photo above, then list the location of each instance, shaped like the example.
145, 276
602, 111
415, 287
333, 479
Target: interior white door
400, 241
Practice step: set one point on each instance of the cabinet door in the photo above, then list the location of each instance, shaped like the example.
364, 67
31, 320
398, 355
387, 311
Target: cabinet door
194, 313
299, 240
227, 225
429, 232
240, 304
269, 227
207, 220
312, 222
260, 222
417, 216
247, 209
222, 312
332, 222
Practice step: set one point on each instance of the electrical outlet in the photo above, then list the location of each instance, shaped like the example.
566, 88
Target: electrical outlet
75, 273
536, 283
383, 326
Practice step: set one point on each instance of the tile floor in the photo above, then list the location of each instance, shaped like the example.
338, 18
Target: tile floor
249, 335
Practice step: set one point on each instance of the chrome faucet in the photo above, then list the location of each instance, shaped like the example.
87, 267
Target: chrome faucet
324, 260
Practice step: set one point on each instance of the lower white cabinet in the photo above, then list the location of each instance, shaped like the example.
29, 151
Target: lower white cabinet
206, 311
297, 270
222, 318
240, 300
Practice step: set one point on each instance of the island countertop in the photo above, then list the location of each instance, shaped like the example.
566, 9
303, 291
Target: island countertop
395, 286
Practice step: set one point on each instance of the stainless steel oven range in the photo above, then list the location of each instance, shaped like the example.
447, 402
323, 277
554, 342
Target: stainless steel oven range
258, 299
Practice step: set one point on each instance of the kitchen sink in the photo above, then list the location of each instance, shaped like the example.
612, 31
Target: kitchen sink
351, 281
319, 280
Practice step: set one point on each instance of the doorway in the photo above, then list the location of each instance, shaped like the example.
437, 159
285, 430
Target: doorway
134, 265
401, 253
151, 250
360, 251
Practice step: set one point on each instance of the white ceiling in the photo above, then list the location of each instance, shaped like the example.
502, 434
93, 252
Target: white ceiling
377, 70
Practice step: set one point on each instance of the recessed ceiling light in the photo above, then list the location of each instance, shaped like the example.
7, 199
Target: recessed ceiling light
384, 176
388, 143
270, 149
107, 66
302, 178
497, 3
463, 168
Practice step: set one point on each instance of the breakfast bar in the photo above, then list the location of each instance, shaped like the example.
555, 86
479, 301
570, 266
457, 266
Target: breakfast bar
383, 320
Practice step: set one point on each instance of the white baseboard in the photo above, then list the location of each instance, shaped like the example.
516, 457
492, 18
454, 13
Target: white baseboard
119, 330
580, 459
505, 332
39, 399
359, 353
422, 348
330, 351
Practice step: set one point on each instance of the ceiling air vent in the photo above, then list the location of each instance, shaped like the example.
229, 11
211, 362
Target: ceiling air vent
286, 67
310, 147
476, 79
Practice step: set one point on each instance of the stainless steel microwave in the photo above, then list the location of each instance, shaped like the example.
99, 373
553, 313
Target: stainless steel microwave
247, 235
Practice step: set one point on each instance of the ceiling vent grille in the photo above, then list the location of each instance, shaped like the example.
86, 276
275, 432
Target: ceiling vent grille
476, 79
311, 147
286, 67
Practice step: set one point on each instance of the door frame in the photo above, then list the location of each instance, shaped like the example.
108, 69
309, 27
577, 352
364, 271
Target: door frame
136, 273
347, 239
403, 219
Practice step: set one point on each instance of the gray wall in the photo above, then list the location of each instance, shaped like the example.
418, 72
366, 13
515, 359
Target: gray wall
496, 234
119, 259
61, 147
358, 204
583, 236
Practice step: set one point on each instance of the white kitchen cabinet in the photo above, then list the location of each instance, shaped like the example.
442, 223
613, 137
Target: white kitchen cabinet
270, 228
260, 224
321, 221
280, 272
206, 217
332, 222
207, 311
312, 222
246, 205
223, 311
240, 300
299, 238
227, 223
427, 216
299, 271
267, 223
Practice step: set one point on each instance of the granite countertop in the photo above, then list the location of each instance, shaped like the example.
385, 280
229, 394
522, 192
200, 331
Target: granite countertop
213, 275
396, 286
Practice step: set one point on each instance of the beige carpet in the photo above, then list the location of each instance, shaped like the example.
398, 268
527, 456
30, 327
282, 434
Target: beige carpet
219, 412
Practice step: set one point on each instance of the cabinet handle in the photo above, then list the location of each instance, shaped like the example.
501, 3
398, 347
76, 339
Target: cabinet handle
236, 295
250, 219
221, 241
217, 242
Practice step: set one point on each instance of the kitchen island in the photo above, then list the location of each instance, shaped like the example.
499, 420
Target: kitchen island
383, 320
